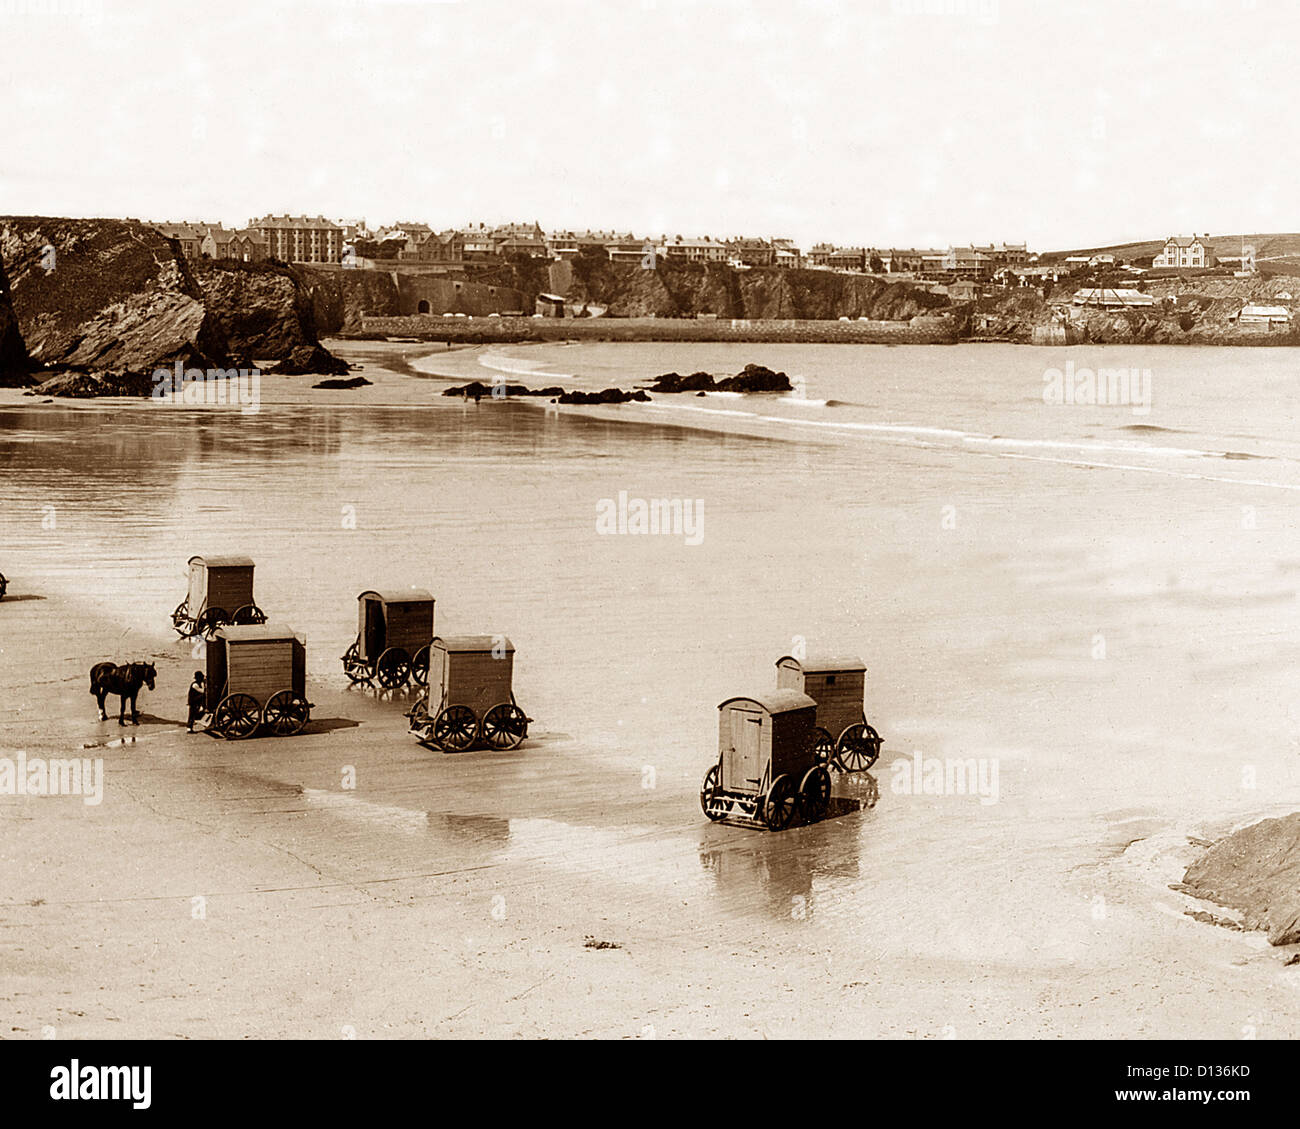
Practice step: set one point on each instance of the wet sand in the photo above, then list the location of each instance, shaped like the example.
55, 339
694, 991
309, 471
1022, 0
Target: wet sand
457, 895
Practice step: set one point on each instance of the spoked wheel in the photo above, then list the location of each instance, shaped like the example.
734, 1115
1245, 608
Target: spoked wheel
711, 802
209, 620
823, 746
393, 668
780, 803
354, 668
183, 621
455, 729
420, 667
249, 613
286, 713
815, 794
857, 748
505, 726
237, 717
419, 715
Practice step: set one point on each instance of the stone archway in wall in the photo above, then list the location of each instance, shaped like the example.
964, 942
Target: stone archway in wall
423, 306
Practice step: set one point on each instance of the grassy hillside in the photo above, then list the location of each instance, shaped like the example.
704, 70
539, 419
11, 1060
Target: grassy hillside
1276, 245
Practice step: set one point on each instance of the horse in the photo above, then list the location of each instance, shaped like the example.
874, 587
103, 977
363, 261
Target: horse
125, 682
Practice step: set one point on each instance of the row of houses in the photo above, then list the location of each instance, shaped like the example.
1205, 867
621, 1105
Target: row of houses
295, 239
212, 241
316, 239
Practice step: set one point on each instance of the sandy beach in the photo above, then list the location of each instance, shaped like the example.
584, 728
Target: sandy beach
572, 888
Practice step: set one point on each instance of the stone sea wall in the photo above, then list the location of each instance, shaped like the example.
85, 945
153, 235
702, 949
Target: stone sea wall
478, 331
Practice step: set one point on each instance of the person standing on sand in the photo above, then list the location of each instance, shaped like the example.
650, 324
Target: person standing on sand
197, 699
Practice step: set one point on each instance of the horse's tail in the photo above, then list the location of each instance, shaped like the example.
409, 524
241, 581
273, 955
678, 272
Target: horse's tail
96, 673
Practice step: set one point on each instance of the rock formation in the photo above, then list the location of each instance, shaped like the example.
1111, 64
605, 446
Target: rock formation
264, 310
752, 378
106, 295
1255, 870
101, 304
14, 364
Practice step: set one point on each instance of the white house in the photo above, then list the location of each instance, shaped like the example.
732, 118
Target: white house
1185, 251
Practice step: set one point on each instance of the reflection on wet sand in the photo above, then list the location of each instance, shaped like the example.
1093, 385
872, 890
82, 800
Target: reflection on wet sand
779, 873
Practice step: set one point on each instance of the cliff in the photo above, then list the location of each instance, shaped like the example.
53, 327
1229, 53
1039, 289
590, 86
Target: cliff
102, 303
1255, 870
263, 310
14, 364
690, 289
106, 295
339, 298
1192, 311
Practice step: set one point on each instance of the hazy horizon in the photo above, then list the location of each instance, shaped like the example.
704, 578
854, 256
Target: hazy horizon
884, 123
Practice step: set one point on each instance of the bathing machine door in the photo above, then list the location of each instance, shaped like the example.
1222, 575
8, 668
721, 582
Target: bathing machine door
741, 737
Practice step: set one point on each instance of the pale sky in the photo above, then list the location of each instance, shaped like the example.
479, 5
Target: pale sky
879, 122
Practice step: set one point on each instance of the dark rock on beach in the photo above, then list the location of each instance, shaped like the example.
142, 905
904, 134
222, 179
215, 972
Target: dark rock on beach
1255, 870
752, 378
350, 382
81, 385
310, 360
608, 396
477, 390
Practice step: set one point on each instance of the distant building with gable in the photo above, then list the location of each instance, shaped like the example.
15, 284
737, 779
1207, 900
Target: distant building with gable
1185, 251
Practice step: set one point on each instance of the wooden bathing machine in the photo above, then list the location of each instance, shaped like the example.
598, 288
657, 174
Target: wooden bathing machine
767, 768
837, 684
220, 591
257, 676
470, 695
394, 634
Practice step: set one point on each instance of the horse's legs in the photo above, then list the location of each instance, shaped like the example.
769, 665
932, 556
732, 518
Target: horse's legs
121, 709
135, 710
100, 695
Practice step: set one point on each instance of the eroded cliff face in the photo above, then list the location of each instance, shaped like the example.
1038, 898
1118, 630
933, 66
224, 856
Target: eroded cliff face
339, 298
14, 364
689, 289
1195, 311
106, 295
263, 310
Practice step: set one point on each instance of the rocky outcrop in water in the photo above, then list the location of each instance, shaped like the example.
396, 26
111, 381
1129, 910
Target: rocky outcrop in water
752, 378
1255, 870
476, 390
106, 296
